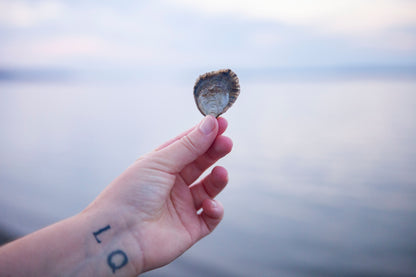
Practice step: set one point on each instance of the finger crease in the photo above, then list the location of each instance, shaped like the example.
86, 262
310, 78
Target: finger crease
187, 142
205, 189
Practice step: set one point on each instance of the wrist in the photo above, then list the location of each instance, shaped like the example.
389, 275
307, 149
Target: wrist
88, 244
111, 243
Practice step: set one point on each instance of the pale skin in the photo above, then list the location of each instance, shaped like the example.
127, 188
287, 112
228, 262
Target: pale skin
144, 219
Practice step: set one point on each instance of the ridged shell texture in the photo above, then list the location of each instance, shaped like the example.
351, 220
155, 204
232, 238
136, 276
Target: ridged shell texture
215, 92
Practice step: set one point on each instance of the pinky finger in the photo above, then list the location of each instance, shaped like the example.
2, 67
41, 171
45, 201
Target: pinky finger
211, 215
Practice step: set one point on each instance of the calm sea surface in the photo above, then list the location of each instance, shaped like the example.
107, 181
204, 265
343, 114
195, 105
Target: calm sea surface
322, 174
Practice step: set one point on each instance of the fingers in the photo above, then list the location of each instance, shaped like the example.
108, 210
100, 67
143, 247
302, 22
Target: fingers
184, 150
210, 186
211, 216
222, 126
221, 147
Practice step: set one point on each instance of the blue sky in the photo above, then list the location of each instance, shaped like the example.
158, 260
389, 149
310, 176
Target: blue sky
184, 34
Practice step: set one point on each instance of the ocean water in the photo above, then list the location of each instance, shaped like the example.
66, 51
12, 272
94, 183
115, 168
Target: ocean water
322, 173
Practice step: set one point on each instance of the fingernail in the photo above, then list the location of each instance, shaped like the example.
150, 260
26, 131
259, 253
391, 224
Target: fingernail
207, 125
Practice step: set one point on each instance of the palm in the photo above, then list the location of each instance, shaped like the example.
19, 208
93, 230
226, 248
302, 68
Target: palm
183, 210
171, 200
177, 225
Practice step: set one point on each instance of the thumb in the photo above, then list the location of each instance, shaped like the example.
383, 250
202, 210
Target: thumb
188, 148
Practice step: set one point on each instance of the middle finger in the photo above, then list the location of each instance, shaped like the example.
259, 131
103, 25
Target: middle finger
221, 147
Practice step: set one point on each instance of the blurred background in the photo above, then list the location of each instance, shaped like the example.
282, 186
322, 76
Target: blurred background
323, 169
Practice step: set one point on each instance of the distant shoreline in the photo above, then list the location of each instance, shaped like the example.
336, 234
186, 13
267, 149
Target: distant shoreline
260, 73
6, 237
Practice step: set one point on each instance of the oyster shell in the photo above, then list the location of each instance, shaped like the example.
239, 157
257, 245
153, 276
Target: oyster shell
215, 92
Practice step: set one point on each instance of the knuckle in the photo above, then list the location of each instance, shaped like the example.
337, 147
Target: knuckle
190, 145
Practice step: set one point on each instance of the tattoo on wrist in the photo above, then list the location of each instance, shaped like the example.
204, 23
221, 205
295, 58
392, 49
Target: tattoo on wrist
99, 232
116, 259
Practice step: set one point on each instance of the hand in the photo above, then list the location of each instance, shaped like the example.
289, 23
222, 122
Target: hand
157, 199
144, 219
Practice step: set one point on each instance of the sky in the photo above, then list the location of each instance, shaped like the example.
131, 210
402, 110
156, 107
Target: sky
182, 34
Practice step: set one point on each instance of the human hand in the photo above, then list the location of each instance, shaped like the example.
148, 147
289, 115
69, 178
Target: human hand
155, 202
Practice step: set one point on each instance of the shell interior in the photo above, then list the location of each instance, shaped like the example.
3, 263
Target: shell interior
215, 92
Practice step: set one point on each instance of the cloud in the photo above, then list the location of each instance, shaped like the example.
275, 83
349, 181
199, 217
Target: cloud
87, 51
367, 20
349, 16
19, 13
189, 34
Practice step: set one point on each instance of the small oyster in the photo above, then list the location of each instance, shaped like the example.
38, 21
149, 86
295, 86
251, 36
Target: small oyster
215, 92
